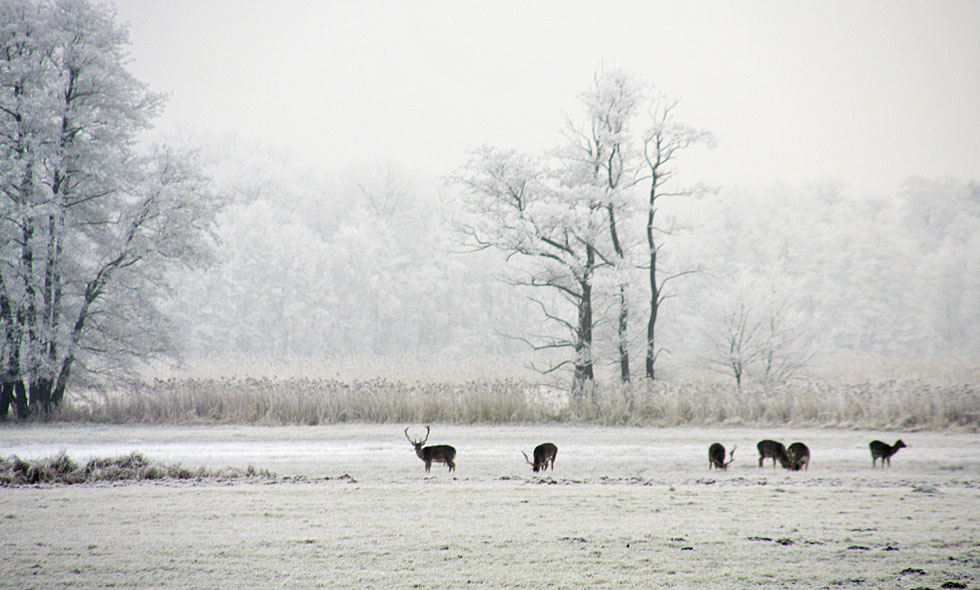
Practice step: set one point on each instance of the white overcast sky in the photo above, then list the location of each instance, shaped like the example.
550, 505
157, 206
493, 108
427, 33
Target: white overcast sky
867, 93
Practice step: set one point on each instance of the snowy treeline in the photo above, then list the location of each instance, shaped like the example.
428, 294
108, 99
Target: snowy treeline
835, 278
320, 268
371, 265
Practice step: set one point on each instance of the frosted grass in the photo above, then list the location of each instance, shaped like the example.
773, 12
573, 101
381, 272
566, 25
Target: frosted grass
625, 507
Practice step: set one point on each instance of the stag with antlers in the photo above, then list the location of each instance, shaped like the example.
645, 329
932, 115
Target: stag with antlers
435, 453
544, 454
716, 456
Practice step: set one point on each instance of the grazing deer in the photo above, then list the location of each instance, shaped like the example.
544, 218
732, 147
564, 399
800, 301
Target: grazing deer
799, 456
543, 454
438, 453
770, 449
884, 451
716, 456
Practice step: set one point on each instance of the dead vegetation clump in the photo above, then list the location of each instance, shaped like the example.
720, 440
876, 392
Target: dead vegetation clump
62, 469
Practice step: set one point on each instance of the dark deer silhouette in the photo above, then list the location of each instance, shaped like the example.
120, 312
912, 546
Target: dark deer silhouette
544, 454
770, 449
716, 456
884, 451
799, 456
437, 453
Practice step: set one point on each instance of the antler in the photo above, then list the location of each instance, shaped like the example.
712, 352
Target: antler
408, 437
731, 455
529, 462
426, 435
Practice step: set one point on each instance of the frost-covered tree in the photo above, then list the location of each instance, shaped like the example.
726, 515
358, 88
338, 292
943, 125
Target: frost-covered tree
601, 152
90, 227
568, 216
551, 225
756, 325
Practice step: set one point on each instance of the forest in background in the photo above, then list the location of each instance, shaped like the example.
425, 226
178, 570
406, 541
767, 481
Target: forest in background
366, 274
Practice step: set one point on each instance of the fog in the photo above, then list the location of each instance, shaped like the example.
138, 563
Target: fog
843, 193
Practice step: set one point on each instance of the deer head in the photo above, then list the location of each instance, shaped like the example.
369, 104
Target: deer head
418, 444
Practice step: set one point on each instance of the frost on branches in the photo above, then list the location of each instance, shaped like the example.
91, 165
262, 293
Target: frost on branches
572, 217
89, 227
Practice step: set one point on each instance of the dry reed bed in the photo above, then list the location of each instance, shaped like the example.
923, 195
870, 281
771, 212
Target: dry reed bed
894, 404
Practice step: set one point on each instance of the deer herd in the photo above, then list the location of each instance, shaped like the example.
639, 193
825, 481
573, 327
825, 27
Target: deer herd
796, 457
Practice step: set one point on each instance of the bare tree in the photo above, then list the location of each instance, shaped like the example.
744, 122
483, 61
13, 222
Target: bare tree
549, 229
738, 347
662, 144
758, 329
786, 340
384, 191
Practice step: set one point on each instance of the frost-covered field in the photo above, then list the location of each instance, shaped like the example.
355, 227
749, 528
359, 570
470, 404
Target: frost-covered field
624, 508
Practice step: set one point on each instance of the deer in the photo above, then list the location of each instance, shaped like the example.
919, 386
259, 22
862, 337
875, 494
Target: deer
716, 456
770, 449
884, 451
437, 453
799, 456
544, 454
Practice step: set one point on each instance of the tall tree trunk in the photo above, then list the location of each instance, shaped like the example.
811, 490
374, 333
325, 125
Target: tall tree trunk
12, 389
40, 394
584, 376
52, 315
651, 356
622, 328
58, 394
92, 292
6, 363
623, 336
6, 398
20, 399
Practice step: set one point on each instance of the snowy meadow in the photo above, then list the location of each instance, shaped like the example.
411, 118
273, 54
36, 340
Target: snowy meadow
352, 507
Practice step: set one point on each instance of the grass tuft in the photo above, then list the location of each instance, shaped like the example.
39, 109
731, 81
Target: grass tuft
61, 469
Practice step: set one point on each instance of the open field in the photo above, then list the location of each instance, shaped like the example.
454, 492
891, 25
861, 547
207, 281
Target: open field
624, 508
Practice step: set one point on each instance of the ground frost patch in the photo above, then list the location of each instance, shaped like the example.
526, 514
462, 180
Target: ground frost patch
353, 508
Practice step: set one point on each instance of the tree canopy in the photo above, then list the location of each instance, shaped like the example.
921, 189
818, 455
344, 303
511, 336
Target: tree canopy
90, 226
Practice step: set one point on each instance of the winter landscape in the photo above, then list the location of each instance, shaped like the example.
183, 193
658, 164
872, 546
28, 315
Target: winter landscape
351, 507
262, 263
